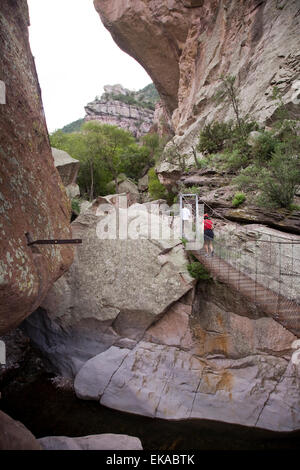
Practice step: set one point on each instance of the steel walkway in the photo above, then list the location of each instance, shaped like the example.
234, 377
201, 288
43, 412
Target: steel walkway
283, 310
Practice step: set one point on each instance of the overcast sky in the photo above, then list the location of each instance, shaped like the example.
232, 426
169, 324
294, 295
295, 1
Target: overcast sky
75, 57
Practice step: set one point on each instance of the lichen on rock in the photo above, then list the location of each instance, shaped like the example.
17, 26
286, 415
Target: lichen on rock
31, 199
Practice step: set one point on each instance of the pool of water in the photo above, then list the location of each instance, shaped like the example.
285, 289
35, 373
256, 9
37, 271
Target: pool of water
47, 411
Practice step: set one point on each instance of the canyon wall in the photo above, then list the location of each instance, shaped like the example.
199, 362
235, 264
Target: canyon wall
129, 326
32, 196
186, 46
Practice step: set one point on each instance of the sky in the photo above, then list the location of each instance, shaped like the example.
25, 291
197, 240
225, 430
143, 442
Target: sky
75, 57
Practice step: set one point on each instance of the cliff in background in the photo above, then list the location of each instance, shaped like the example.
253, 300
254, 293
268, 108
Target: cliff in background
118, 106
186, 45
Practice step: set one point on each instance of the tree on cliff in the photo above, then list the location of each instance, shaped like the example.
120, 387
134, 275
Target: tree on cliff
228, 93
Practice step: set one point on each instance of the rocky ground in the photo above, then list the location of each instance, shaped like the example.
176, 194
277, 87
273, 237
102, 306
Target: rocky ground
138, 337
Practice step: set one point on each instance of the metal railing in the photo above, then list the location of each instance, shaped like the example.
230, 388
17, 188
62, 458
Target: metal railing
265, 267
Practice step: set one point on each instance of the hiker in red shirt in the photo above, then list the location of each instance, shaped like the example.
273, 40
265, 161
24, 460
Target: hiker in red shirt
208, 236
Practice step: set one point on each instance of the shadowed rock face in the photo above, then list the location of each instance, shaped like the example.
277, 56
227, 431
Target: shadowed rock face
32, 197
186, 45
15, 436
153, 35
67, 166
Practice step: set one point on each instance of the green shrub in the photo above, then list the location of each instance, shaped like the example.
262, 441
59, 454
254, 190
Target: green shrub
75, 206
173, 154
280, 180
184, 241
247, 178
238, 199
264, 146
213, 136
287, 130
198, 271
276, 182
294, 207
193, 190
203, 162
156, 189
234, 160
228, 139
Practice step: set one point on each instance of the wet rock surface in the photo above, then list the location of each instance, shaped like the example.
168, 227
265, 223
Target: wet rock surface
96, 442
50, 411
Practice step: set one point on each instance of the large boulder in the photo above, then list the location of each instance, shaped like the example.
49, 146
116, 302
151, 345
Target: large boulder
125, 185
15, 436
72, 190
115, 289
219, 361
212, 355
66, 165
68, 168
143, 183
264, 254
167, 382
94, 442
130, 187
32, 197
125, 322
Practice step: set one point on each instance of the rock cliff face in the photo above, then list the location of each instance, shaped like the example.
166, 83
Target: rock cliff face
186, 45
15, 436
114, 290
110, 109
32, 197
127, 323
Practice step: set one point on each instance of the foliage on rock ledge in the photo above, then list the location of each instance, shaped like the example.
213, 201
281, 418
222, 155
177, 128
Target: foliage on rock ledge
266, 164
198, 271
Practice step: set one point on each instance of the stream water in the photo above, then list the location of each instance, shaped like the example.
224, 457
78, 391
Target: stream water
47, 410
